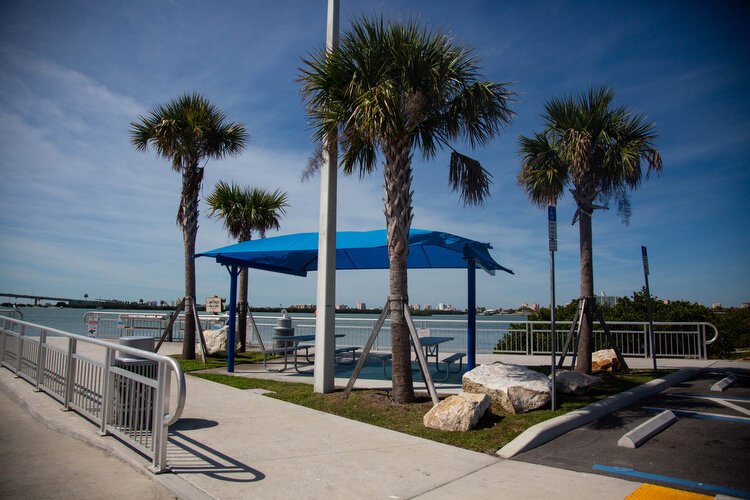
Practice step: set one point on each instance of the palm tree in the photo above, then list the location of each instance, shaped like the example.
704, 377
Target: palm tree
244, 210
187, 131
601, 150
394, 88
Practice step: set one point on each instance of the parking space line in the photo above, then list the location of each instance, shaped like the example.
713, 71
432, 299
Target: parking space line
698, 414
672, 480
737, 399
722, 401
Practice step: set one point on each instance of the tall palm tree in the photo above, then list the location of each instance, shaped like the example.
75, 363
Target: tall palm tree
601, 150
187, 131
243, 211
393, 88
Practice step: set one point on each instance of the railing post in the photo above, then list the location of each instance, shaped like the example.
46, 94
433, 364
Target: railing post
529, 338
645, 341
19, 355
3, 342
160, 429
70, 373
41, 360
108, 383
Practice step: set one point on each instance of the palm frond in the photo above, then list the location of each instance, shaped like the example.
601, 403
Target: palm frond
600, 148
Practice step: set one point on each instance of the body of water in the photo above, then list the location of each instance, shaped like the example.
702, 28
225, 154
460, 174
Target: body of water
357, 326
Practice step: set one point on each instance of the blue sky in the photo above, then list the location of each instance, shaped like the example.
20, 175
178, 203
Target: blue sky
82, 212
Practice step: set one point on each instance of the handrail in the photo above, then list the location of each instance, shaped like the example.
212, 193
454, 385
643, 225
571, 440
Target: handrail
56, 375
716, 333
181, 384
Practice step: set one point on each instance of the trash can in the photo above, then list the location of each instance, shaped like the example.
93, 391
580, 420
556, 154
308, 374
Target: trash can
134, 400
283, 328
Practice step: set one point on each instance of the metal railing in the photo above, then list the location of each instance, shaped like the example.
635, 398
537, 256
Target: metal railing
104, 324
15, 312
672, 339
128, 399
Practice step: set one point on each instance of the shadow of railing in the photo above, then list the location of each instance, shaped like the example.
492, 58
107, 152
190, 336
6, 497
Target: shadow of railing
188, 456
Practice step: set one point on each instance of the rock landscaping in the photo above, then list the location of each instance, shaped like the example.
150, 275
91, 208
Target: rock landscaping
515, 388
569, 382
604, 361
458, 413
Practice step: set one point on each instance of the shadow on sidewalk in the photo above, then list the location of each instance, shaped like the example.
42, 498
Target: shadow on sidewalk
188, 456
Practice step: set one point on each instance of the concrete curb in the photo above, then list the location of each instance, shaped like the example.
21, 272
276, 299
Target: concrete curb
179, 486
548, 430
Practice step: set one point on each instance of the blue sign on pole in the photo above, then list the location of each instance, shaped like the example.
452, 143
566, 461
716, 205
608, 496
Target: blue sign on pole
552, 227
645, 260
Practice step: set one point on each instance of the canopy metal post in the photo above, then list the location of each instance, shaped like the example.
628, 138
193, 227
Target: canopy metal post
234, 272
471, 341
325, 320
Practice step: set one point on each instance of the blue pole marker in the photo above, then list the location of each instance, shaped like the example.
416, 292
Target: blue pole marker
673, 480
233, 273
471, 340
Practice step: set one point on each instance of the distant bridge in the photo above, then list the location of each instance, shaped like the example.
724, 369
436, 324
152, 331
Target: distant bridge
37, 298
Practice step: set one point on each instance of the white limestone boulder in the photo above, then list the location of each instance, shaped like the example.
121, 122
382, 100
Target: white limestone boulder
604, 361
515, 388
569, 382
216, 340
458, 413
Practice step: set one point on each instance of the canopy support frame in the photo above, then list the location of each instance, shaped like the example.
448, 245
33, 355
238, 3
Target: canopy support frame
404, 304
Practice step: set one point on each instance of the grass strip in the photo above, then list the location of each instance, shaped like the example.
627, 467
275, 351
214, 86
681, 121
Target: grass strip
374, 407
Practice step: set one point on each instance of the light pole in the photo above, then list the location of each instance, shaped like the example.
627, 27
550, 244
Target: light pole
325, 318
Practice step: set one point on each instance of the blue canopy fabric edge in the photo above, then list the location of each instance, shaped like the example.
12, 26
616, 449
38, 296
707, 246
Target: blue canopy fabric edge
297, 254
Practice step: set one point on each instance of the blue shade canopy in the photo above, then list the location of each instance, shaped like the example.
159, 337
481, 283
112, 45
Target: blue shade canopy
298, 253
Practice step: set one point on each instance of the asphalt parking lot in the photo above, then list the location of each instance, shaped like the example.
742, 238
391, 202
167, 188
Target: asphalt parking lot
707, 450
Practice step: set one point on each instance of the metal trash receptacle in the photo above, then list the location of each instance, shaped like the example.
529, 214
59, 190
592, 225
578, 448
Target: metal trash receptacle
134, 400
283, 328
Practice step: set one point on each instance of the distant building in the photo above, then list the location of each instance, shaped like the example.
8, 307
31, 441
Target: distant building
361, 306
444, 307
414, 307
342, 307
744, 305
606, 300
427, 307
716, 305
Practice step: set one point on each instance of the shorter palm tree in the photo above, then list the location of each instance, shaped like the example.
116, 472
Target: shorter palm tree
187, 131
244, 211
601, 150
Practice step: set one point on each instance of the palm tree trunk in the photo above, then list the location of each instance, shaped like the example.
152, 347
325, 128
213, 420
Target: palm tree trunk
398, 216
188, 342
583, 360
187, 217
242, 311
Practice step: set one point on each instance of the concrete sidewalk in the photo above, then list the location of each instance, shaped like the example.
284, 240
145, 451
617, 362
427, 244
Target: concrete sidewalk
239, 444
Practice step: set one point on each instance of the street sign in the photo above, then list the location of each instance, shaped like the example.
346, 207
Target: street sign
645, 260
552, 223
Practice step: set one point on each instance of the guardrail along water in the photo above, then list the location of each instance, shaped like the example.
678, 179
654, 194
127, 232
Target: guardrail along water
123, 390
499, 336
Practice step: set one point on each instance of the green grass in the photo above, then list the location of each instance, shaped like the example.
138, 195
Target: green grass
217, 361
375, 407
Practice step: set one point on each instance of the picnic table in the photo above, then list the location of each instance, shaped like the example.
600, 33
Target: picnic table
431, 346
298, 343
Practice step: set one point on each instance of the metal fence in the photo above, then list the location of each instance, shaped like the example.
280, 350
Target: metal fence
128, 399
672, 339
115, 325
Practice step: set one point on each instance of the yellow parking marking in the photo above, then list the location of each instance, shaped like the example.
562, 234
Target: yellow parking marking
653, 492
